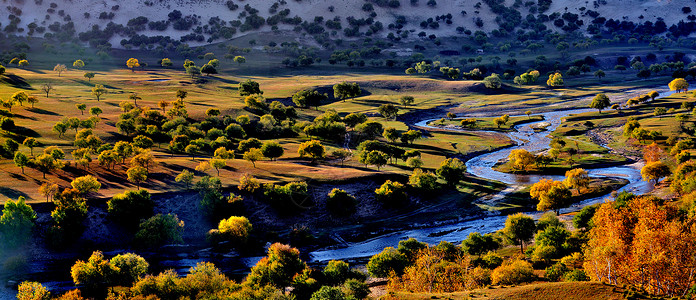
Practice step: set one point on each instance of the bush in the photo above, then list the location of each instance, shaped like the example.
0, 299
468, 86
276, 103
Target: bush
16, 222
341, 203
425, 181
131, 206
234, 229
391, 192
356, 288
387, 261
159, 230
576, 275
513, 272
556, 271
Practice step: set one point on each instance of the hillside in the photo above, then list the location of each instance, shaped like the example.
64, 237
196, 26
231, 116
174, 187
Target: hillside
204, 22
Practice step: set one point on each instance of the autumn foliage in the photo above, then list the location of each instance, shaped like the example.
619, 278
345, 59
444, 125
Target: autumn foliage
643, 244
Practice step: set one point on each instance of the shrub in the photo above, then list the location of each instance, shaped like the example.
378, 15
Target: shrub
576, 275
159, 230
234, 229
391, 192
341, 203
131, 206
513, 272
556, 271
425, 181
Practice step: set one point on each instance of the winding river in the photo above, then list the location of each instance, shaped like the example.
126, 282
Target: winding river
482, 166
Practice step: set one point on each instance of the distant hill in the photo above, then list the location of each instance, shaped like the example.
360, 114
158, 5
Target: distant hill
202, 22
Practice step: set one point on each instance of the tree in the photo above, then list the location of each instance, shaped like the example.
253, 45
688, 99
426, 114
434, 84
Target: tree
166, 63
278, 268
47, 163
577, 178
555, 80
249, 87
137, 174
95, 111
551, 194
312, 149
341, 202
374, 158
131, 206
193, 71
89, 76
425, 181
48, 190
21, 160
239, 60
382, 264
31, 143
391, 134
60, 69
47, 88
493, 81
653, 95
477, 244
132, 63
86, 184
98, 90
679, 85
519, 228
410, 136
654, 171
345, 90
186, 177
208, 69
307, 98
78, 64
392, 193
521, 159
452, 170
19, 97
272, 150
599, 74
29, 290
16, 222
406, 100
159, 229
253, 155
82, 107
131, 267
388, 111
599, 102
234, 229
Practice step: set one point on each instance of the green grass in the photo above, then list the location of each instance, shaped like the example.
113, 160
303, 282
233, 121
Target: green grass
488, 123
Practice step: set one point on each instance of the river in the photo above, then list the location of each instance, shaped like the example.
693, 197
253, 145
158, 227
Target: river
482, 166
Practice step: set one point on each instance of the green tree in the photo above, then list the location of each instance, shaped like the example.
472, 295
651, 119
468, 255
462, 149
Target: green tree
388, 111
16, 222
193, 71
131, 267
82, 107
391, 134
20, 97
555, 80
391, 192
78, 64
47, 163
307, 98
98, 90
390, 260
166, 62
89, 76
278, 268
253, 155
272, 150
186, 177
425, 181
86, 184
599, 74
239, 60
137, 175
159, 230
452, 170
519, 228
131, 206
600, 101
493, 81
249, 87
312, 149
345, 90
654, 171
341, 202
21, 160
374, 158
406, 100
208, 69
234, 229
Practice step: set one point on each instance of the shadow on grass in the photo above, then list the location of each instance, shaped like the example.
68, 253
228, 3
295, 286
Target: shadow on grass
42, 111
12, 193
17, 82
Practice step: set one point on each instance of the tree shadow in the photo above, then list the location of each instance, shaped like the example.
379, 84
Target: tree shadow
17, 82
42, 111
12, 193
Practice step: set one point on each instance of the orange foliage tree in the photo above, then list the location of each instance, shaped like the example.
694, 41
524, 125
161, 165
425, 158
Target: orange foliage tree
643, 244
